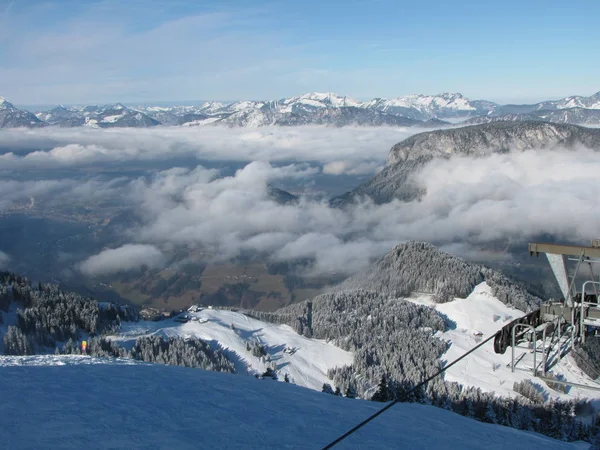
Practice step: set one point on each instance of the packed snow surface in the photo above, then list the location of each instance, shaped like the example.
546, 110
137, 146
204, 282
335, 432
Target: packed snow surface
112, 119
483, 314
74, 405
305, 360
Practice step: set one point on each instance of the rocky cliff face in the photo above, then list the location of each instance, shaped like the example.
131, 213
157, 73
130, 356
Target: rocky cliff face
413, 153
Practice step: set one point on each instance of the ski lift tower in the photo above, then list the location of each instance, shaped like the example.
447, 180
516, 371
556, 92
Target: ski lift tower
580, 308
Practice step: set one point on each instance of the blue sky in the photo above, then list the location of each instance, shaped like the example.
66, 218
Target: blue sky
83, 51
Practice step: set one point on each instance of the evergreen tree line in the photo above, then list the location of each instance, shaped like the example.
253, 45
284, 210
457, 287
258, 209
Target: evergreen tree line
297, 315
421, 267
256, 349
395, 348
587, 357
48, 315
530, 390
530, 411
174, 351
387, 335
392, 339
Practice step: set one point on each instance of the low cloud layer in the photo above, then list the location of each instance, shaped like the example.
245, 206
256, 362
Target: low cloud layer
469, 201
127, 257
350, 149
345, 167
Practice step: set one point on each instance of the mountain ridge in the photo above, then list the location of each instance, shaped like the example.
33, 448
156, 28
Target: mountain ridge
308, 108
411, 154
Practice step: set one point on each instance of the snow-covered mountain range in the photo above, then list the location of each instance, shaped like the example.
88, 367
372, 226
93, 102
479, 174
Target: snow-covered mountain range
314, 108
425, 107
576, 101
107, 116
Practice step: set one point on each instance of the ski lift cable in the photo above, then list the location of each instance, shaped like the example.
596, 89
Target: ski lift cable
406, 394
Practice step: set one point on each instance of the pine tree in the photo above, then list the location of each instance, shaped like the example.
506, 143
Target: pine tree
490, 414
350, 392
383, 393
269, 373
327, 389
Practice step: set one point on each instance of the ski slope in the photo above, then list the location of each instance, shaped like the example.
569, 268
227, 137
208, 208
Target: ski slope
66, 402
482, 312
306, 366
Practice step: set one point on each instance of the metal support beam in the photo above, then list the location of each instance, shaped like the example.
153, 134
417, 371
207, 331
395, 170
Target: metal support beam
560, 249
584, 305
558, 265
533, 337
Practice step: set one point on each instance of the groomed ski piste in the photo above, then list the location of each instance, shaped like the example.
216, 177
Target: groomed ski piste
306, 361
482, 313
82, 402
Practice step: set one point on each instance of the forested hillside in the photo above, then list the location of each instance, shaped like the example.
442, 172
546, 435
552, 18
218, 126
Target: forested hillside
396, 343
421, 267
43, 319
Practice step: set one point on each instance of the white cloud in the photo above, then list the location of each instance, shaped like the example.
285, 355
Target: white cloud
27, 195
351, 168
127, 257
361, 149
472, 201
469, 201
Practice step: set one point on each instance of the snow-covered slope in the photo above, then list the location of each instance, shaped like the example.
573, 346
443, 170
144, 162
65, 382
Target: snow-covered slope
306, 365
579, 116
62, 116
11, 117
106, 116
73, 405
481, 312
572, 102
321, 100
424, 107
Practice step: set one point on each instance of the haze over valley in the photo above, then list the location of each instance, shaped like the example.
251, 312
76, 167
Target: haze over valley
263, 217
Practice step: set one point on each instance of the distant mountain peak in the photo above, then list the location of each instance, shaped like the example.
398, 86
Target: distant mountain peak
321, 95
426, 107
5, 104
320, 99
331, 108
